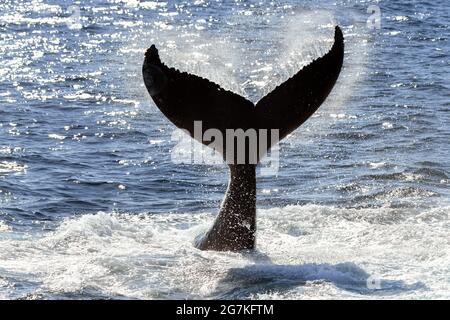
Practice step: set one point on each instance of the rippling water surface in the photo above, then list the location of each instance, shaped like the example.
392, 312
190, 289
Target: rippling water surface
92, 206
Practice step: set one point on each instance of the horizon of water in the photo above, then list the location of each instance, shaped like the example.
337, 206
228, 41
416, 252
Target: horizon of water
92, 205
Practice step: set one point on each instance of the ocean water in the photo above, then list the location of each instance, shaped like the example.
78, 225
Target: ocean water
92, 205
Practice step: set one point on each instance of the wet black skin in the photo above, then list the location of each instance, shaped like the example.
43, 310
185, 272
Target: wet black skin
184, 98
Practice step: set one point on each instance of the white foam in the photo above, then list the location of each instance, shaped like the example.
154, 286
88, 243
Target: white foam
12, 166
306, 252
56, 136
377, 165
4, 227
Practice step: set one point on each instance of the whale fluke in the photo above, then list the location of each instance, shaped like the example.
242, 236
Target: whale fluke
185, 98
295, 100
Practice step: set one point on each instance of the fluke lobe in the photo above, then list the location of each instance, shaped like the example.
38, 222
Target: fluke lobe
185, 98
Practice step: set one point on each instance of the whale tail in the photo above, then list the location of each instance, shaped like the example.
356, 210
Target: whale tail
186, 99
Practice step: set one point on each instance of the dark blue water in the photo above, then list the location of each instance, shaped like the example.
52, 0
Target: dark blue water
92, 204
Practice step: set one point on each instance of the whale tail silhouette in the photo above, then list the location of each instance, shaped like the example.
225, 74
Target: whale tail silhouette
186, 99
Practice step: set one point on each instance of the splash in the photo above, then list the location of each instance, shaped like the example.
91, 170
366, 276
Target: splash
308, 251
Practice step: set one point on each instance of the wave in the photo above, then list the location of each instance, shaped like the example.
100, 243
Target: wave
303, 251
